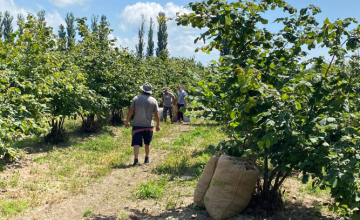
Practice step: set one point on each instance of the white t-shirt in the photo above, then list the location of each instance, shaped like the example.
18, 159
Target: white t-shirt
181, 95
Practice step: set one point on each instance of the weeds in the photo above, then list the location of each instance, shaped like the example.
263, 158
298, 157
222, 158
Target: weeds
189, 159
313, 190
170, 204
122, 216
9, 207
88, 212
151, 189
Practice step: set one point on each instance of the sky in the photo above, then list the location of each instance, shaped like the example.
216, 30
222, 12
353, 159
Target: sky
125, 18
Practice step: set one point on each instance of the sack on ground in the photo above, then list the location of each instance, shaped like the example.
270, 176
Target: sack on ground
205, 179
175, 111
231, 187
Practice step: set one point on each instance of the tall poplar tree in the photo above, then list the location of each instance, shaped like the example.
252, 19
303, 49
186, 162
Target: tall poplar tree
141, 45
41, 17
62, 32
1, 25
70, 28
20, 23
7, 23
94, 21
150, 47
103, 25
162, 33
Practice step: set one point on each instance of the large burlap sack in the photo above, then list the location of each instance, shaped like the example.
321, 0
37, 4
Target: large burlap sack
175, 111
231, 187
205, 179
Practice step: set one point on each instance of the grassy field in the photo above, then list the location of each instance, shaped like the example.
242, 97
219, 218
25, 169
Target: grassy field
91, 176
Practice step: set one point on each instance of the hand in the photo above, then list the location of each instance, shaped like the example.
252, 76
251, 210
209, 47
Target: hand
127, 125
158, 128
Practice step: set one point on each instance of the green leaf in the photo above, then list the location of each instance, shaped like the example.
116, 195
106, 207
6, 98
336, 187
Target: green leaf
268, 143
335, 183
270, 123
357, 197
285, 97
261, 144
233, 115
313, 139
228, 20
264, 21
326, 21
250, 61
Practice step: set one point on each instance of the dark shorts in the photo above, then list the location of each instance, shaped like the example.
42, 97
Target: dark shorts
139, 136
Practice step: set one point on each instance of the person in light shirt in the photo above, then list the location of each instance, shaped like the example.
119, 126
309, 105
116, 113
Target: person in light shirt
181, 102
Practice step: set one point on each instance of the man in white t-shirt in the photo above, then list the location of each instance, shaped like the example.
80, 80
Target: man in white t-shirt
181, 102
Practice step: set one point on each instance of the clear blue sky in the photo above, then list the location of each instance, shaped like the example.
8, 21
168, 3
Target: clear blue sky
125, 17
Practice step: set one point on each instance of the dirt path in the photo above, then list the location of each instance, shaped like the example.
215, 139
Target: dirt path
109, 197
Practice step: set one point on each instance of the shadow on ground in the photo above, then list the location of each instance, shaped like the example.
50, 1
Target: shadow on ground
39, 145
294, 211
101, 217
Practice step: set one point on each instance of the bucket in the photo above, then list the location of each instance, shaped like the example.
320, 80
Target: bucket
161, 113
186, 119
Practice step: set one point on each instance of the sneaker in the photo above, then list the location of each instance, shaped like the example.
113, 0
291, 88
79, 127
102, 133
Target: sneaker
136, 163
177, 122
147, 160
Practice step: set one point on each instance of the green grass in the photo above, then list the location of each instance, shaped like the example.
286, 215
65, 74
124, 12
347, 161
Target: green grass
10, 207
314, 191
88, 212
170, 204
86, 160
190, 152
122, 216
152, 189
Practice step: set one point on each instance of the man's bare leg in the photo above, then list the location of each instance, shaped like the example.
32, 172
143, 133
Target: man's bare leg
136, 154
147, 153
147, 150
136, 151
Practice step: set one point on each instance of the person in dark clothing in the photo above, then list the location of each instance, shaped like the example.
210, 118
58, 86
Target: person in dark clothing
168, 100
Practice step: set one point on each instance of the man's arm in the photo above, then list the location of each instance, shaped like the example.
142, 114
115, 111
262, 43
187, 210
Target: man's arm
130, 113
157, 119
163, 100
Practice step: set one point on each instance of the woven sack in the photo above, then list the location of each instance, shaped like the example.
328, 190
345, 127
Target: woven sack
205, 179
231, 187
